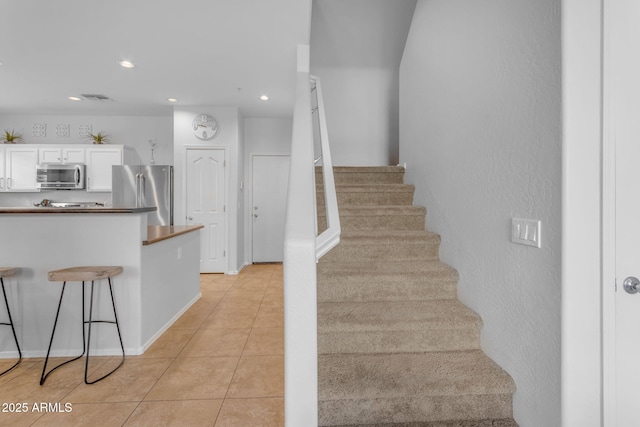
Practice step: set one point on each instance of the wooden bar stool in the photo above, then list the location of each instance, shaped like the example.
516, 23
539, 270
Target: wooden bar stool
84, 274
8, 272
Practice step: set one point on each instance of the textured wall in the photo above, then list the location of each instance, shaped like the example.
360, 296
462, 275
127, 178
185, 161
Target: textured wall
480, 131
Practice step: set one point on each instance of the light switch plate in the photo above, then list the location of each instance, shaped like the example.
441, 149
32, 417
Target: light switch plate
526, 232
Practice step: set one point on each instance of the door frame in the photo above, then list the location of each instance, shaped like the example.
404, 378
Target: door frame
183, 202
250, 180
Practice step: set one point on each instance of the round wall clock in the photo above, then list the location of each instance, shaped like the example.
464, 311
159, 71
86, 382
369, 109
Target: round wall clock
205, 126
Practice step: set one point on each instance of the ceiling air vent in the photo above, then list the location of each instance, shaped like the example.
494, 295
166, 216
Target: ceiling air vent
95, 97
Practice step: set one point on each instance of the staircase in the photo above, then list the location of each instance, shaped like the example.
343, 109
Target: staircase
396, 347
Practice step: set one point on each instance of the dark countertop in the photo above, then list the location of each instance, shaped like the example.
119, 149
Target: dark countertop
157, 233
76, 210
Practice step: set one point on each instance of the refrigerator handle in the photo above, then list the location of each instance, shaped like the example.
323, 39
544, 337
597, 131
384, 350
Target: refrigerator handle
143, 198
137, 190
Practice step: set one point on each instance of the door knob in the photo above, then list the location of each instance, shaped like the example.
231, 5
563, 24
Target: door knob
190, 218
255, 215
631, 285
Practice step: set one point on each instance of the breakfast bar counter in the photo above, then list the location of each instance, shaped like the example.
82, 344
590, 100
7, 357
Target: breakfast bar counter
159, 282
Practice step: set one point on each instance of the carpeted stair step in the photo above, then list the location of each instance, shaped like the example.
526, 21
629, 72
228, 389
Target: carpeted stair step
368, 195
356, 389
347, 268
400, 326
373, 245
378, 218
463, 423
364, 174
435, 281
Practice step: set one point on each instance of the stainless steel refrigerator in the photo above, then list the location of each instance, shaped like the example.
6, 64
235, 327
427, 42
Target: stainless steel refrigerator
144, 186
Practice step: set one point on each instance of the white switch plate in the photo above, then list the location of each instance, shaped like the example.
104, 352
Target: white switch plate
526, 232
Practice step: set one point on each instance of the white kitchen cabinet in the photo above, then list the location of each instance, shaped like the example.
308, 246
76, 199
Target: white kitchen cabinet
61, 154
19, 164
99, 162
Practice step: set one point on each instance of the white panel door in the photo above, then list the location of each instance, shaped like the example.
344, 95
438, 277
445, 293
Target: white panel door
269, 186
206, 205
624, 97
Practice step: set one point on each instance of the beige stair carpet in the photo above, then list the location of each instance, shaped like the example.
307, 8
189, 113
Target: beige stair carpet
396, 347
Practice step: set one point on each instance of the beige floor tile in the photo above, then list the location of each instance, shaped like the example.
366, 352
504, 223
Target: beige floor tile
182, 413
26, 387
231, 317
191, 319
273, 297
251, 285
89, 414
208, 301
216, 342
131, 382
258, 376
170, 344
252, 413
265, 341
242, 298
269, 317
20, 419
195, 378
22, 367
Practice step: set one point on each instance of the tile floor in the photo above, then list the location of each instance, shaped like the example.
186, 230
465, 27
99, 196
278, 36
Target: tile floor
220, 364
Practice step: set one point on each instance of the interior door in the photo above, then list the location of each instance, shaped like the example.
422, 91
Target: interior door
206, 205
623, 94
270, 176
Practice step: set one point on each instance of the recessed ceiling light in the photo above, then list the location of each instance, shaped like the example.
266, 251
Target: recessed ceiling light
172, 99
264, 97
126, 64
75, 98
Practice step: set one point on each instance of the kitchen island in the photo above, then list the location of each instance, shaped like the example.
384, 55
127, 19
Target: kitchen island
160, 280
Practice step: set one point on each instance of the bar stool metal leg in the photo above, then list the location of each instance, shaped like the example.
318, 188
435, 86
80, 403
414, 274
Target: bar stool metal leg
44, 376
91, 322
15, 337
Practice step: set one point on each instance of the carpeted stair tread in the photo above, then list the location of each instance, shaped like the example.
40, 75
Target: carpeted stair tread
355, 376
372, 237
351, 211
364, 174
388, 289
371, 188
395, 316
357, 267
409, 387
385, 245
465, 423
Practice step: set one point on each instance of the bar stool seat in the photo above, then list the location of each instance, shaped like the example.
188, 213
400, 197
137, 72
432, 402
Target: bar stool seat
8, 272
84, 274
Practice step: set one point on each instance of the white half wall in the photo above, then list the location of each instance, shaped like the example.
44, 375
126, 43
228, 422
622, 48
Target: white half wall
480, 132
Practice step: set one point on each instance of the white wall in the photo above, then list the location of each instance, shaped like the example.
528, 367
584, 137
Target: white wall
480, 131
356, 46
261, 136
228, 137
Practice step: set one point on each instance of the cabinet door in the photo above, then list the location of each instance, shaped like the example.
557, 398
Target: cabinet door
50, 155
99, 163
3, 181
21, 168
73, 155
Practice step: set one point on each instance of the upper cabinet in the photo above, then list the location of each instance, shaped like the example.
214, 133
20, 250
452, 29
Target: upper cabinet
58, 154
99, 162
18, 170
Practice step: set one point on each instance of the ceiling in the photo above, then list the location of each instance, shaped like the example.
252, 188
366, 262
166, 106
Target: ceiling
202, 52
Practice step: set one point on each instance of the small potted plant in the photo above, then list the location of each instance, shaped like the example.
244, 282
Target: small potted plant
11, 137
99, 138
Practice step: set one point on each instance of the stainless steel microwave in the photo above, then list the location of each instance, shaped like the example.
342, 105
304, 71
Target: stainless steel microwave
60, 176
